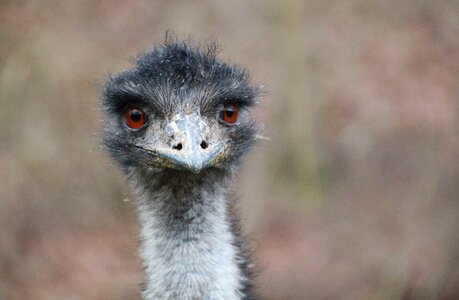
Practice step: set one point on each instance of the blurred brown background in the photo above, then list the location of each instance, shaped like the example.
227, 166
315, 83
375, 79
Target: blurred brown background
355, 195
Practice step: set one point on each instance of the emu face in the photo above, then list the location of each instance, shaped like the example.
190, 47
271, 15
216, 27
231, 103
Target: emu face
181, 109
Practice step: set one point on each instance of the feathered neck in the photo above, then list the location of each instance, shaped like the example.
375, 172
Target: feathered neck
189, 246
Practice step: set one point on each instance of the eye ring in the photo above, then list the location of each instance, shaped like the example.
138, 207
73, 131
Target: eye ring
229, 114
134, 117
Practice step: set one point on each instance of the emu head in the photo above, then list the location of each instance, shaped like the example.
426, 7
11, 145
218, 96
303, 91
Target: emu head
179, 110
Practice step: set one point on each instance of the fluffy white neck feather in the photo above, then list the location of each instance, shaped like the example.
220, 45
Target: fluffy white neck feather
188, 246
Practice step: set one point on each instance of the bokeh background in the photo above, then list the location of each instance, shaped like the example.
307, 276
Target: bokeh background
355, 195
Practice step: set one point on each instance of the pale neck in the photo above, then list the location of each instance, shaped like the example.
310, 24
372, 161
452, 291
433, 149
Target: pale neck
188, 246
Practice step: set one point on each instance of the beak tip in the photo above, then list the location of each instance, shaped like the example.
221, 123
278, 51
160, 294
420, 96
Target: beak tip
195, 167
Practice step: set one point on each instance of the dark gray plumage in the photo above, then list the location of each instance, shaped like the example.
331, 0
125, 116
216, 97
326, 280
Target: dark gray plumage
178, 124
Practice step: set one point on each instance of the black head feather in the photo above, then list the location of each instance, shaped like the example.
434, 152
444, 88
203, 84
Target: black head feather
177, 78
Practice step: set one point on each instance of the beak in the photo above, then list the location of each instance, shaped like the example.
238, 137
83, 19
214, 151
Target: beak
189, 149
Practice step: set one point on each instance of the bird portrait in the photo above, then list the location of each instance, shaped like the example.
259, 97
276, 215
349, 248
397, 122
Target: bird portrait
178, 123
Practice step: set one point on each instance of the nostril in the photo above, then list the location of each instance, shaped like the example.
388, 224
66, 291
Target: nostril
204, 145
178, 146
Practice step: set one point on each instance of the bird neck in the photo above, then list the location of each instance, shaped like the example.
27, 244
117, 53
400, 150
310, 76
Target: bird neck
188, 245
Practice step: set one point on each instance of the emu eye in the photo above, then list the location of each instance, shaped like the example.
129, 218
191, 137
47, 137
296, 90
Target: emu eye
229, 113
134, 117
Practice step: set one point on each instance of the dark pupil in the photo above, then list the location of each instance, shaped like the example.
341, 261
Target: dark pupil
229, 112
136, 116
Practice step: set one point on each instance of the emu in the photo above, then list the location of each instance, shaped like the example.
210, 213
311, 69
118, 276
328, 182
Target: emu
177, 124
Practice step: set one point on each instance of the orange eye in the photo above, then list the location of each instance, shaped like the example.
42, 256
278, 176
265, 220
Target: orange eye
134, 117
230, 113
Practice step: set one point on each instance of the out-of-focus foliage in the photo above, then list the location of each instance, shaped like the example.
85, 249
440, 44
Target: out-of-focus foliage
354, 195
